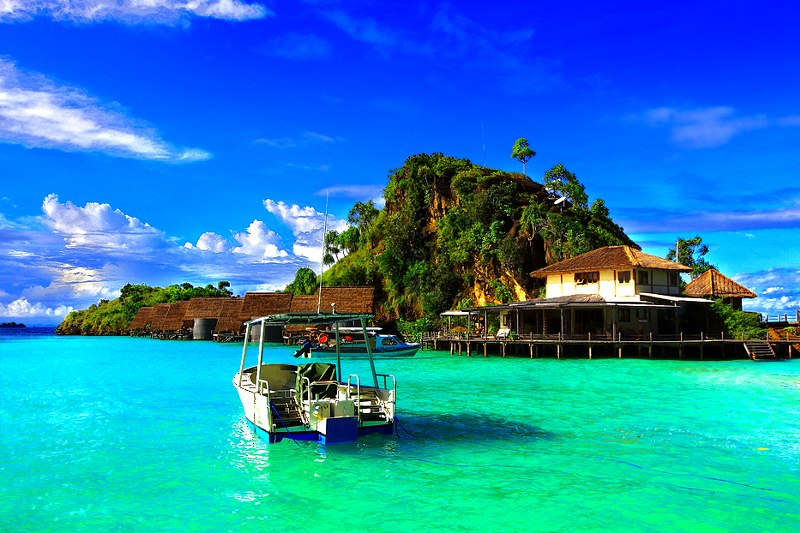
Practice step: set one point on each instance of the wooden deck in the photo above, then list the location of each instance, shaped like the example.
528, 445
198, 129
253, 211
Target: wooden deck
696, 347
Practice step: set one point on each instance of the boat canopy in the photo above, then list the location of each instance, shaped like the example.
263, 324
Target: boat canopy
309, 318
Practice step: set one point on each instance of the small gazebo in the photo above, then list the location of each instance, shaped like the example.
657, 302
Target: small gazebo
712, 284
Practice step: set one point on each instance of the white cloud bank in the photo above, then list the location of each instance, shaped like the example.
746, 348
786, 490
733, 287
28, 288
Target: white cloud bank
130, 11
37, 112
99, 226
22, 308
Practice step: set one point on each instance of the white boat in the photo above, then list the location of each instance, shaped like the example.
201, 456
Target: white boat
349, 342
313, 401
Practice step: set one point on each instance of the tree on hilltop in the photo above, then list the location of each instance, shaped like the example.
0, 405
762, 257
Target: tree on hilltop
522, 152
691, 253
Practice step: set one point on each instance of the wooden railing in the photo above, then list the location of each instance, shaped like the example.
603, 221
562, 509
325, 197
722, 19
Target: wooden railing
785, 317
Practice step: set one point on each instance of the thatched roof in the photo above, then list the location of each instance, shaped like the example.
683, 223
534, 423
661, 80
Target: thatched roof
713, 283
610, 258
159, 313
258, 304
143, 316
229, 316
347, 300
173, 320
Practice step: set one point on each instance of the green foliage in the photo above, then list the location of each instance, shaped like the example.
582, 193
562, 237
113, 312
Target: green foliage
522, 152
305, 283
113, 317
691, 253
412, 330
738, 323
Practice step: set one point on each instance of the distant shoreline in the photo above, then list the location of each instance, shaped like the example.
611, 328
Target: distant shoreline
12, 325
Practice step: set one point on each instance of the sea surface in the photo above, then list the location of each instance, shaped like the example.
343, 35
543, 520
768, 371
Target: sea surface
121, 434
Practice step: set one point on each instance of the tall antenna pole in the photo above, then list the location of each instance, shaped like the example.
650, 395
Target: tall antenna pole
322, 260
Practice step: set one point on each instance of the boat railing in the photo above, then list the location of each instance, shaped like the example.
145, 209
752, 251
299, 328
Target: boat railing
357, 398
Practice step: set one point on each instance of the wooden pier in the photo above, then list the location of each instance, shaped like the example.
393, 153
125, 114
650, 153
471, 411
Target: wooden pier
690, 347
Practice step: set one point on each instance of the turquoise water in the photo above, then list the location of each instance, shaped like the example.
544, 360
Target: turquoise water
119, 434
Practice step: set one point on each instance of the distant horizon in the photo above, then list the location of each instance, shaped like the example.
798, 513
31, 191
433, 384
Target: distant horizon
192, 142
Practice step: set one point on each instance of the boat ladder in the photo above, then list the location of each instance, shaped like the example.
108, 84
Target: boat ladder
759, 350
286, 407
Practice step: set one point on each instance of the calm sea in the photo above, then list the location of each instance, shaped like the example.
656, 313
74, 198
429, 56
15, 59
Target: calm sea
120, 434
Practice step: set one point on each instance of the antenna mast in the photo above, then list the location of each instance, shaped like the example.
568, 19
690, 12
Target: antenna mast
322, 259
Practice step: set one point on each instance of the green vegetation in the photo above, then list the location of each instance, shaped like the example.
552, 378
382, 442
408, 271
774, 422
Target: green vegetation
305, 283
112, 317
692, 253
740, 324
522, 152
455, 233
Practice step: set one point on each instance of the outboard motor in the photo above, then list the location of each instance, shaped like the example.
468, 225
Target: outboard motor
305, 349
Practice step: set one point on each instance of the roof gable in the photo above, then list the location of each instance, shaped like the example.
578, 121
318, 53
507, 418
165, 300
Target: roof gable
713, 283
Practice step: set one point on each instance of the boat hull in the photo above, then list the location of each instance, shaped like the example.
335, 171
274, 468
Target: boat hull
328, 422
409, 350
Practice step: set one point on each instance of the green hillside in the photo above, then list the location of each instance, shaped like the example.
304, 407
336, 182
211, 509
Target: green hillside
454, 233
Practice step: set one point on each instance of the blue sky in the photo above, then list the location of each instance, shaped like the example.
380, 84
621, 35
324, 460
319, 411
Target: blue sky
168, 141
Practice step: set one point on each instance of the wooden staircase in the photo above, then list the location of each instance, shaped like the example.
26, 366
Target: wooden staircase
760, 351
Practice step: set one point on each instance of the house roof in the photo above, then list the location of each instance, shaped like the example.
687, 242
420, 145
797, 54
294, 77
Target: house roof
347, 300
713, 283
610, 258
258, 304
143, 316
173, 319
230, 320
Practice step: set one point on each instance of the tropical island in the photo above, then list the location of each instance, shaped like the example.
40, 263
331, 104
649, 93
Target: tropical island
11, 325
452, 235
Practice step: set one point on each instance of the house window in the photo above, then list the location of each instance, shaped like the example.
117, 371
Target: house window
644, 277
624, 277
624, 315
673, 279
583, 278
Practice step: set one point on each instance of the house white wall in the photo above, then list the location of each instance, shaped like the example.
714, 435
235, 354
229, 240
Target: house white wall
611, 283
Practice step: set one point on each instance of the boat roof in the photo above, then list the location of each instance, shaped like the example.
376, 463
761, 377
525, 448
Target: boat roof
310, 318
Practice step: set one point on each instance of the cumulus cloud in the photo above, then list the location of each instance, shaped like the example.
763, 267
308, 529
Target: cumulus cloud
210, 242
22, 308
98, 226
704, 127
130, 11
259, 241
778, 291
37, 112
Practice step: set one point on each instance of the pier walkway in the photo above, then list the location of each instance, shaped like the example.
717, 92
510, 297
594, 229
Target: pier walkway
698, 347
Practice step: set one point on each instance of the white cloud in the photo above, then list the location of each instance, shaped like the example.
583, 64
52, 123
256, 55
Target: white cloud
21, 308
99, 226
304, 139
211, 242
131, 11
704, 127
36, 112
259, 241
307, 225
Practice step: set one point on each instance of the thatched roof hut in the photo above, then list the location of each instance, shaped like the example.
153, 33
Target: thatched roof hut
713, 284
143, 317
347, 300
230, 320
159, 313
173, 320
258, 304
